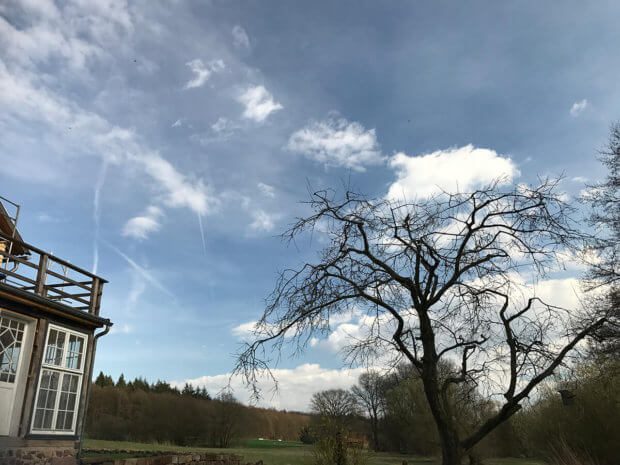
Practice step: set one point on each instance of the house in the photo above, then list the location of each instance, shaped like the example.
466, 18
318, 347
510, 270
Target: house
49, 326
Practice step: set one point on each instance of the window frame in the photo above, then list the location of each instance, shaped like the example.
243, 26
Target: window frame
63, 371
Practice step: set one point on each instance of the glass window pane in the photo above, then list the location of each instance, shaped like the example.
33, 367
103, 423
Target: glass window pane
59, 388
74, 352
11, 336
55, 346
46, 402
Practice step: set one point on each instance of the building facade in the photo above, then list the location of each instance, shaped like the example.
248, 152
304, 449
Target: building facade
49, 326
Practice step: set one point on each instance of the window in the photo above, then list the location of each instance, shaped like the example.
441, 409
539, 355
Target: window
11, 337
60, 382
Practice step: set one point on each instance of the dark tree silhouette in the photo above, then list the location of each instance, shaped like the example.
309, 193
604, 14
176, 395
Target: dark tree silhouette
444, 279
369, 394
604, 200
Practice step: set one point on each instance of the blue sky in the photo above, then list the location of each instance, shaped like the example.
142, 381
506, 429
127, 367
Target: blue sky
125, 126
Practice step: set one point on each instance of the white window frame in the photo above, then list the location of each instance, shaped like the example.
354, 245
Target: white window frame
62, 370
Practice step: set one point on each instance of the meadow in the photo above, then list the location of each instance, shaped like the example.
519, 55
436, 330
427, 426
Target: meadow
272, 453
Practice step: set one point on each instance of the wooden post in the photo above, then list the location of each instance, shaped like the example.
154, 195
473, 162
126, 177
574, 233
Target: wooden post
41, 275
94, 297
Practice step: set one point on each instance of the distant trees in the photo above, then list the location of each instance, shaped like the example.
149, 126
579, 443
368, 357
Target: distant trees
588, 428
438, 280
225, 420
141, 411
369, 394
335, 409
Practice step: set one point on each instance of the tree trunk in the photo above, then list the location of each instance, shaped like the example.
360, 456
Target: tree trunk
451, 451
450, 448
375, 433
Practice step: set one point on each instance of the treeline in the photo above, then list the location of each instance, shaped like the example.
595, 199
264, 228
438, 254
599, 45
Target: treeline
158, 412
574, 417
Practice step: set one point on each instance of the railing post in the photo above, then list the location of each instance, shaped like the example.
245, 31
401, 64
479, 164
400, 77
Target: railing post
94, 297
41, 275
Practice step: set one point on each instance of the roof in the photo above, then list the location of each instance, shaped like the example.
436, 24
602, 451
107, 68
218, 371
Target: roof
7, 227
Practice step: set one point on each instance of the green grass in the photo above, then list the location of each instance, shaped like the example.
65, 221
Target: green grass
275, 453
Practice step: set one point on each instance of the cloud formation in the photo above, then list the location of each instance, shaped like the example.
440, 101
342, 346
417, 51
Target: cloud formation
578, 107
202, 72
337, 142
140, 227
295, 385
258, 103
240, 37
262, 221
454, 170
266, 189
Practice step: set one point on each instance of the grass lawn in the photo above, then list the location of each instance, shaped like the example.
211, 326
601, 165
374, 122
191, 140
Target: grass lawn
279, 453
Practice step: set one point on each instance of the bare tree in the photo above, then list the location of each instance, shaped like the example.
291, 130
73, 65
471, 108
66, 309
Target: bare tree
369, 392
444, 279
336, 404
225, 420
604, 200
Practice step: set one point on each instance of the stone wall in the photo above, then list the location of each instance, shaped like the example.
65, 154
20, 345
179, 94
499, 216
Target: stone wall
37, 455
172, 459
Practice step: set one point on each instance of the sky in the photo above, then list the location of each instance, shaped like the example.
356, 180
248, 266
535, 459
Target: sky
166, 145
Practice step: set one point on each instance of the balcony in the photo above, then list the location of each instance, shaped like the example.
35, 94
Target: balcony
32, 270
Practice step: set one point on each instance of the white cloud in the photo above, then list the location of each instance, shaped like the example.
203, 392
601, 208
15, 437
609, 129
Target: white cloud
140, 227
262, 221
224, 128
337, 142
580, 179
123, 328
181, 192
267, 190
295, 385
74, 32
244, 330
176, 124
578, 107
202, 72
259, 103
91, 134
240, 37
457, 169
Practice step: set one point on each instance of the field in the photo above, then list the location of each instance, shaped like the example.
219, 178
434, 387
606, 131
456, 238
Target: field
282, 453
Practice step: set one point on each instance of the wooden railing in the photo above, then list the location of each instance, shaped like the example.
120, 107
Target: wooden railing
30, 269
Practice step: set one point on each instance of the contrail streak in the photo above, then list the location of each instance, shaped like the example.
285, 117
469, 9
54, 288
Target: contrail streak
202, 234
97, 212
142, 271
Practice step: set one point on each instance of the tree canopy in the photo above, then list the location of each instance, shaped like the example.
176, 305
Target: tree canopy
449, 278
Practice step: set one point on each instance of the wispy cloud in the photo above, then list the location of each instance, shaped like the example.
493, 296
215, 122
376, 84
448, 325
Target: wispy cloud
578, 107
202, 72
259, 103
240, 37
266, 189
202, 234
141, 226
146, 274
97, 212
262, 221
337, 142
